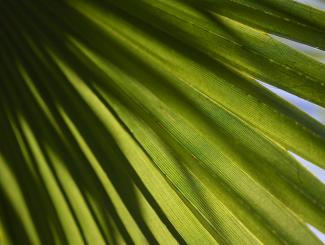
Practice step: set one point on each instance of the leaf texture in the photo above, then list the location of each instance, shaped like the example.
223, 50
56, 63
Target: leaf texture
141, 122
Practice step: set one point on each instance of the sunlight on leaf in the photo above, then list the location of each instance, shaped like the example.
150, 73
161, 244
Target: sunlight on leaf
152, 122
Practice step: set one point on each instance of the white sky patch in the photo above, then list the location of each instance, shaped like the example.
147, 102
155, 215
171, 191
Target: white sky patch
314, 3
311, 51
318, 233
310, 108
317, 171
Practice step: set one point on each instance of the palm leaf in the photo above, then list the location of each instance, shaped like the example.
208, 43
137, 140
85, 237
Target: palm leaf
142, 122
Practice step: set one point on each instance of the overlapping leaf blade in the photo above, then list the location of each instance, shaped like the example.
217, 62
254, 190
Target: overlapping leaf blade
141, 122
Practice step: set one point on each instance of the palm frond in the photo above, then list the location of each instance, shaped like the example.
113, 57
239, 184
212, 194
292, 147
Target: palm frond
141, 122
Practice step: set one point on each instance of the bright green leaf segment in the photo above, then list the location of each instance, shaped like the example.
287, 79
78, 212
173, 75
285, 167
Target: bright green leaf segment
141, 122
